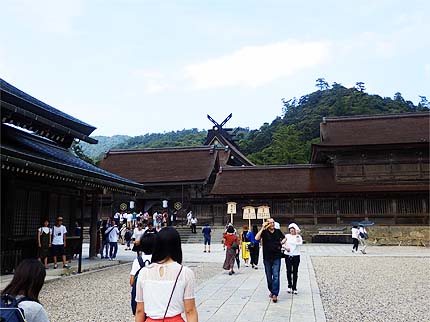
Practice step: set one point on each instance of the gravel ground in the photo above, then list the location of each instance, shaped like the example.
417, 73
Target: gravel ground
102, 295
374, 289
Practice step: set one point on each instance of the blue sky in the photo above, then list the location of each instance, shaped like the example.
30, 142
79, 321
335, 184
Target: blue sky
134, 67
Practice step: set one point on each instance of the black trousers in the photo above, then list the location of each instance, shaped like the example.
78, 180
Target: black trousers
355, 244
254, 252
292, 263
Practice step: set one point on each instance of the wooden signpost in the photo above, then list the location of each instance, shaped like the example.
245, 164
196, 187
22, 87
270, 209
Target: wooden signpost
231, 210
263, 212
249, 213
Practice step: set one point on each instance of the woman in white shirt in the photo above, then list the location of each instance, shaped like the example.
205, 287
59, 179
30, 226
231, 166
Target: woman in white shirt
25, 287
354, 234
291, 244
165, 289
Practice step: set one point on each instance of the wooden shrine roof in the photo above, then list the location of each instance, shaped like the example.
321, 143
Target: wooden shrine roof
36, 156
375, 129
25, 111
163, 166
294, 179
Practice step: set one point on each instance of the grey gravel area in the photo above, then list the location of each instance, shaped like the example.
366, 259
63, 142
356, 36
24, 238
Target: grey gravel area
102, 295
374, 289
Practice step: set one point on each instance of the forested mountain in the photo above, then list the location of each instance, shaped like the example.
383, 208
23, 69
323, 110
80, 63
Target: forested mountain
288, 139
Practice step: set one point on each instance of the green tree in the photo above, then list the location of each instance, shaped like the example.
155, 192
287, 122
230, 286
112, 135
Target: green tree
321, 84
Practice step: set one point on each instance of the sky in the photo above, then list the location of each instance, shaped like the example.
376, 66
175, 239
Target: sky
133, 67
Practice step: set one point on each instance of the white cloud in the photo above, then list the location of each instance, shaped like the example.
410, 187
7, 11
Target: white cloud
154, 87
253, 66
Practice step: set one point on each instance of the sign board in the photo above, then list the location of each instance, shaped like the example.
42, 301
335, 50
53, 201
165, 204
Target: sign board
123, 206
249, 212
231, 207
263, 212
177, 205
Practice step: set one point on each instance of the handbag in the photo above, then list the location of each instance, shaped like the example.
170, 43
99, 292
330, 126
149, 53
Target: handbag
171, 295
234, 245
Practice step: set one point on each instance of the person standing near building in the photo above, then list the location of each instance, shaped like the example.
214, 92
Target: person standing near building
292, 260
44, 237
59, 237
207, 231
231, 242
254, 246
354, 234
194, 224
244, 241
112, 236
362, 236
272, 239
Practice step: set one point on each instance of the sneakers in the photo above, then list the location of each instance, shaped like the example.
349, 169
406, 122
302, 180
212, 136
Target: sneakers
204, 251
230, 273
295, 292
55, 266
362, 251
66, 266
274, 298
289, 290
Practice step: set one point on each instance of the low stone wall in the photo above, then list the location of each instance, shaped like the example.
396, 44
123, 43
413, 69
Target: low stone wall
381, 235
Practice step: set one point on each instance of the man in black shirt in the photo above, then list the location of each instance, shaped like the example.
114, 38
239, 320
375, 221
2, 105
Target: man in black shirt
272, 239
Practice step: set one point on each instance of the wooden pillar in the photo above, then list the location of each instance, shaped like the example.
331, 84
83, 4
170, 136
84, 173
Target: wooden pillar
93, 226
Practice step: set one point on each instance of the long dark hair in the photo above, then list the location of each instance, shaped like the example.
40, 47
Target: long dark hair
28, 279
167, 244
255, 229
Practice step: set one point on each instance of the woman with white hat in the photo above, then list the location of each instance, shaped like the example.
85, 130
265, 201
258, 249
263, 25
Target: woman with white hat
292, 260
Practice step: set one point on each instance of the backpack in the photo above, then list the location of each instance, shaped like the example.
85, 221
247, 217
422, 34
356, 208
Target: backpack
133, 289
9, 310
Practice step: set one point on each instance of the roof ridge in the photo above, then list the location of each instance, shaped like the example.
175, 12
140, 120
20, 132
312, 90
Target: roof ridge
375, 116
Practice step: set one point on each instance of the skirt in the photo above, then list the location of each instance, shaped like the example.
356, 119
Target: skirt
230, 256
245, 251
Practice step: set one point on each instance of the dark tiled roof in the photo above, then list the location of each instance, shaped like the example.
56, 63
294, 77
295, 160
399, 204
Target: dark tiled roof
296, 179
29, 147
376, 129
19, 98
161, 166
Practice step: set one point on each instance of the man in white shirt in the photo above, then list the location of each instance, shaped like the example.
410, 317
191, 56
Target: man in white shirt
112, 235
59, 241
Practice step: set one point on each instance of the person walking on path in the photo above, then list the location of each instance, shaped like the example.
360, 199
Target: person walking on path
59, 237
206, 231
112, 236
272, 239
231, 242
244, 242
165, 289
25, 287
137, 234
194, 224
292, 259
362, 236
354, 234
44, 237
254, 246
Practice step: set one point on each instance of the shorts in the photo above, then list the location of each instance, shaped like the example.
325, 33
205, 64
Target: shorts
207, 240
57, 250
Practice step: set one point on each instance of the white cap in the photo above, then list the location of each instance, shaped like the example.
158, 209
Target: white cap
277, 225
294, 225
